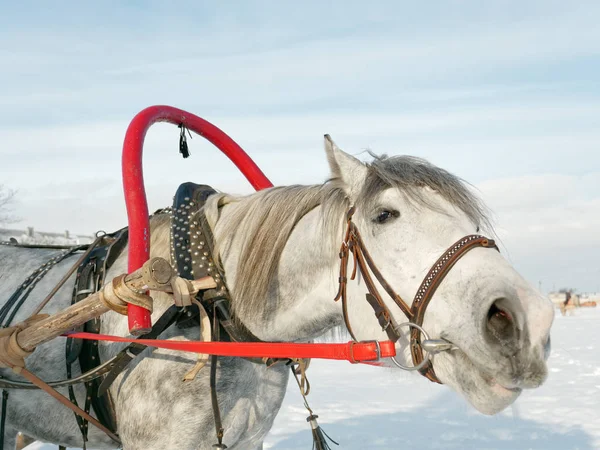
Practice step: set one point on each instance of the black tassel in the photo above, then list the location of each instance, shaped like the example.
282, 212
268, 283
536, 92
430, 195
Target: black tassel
183, 146
319, 436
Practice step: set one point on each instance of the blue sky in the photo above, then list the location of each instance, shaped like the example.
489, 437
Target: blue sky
505, 94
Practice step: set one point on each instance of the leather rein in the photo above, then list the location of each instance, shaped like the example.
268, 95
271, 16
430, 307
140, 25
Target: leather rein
353, 244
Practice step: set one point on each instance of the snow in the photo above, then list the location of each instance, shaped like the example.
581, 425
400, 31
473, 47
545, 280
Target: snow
365, 407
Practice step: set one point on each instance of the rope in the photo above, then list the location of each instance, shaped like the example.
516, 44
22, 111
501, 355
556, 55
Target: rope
11, 354
117, 295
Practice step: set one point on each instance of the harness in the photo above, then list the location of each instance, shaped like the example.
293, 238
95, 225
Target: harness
353, 244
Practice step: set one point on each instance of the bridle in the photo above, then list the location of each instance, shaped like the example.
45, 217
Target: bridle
353, 243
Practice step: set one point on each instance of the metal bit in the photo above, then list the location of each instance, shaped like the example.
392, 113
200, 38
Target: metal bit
434, 346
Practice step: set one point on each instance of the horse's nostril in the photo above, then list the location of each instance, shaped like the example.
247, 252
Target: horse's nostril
500, 322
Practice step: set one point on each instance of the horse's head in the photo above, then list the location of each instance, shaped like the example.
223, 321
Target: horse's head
410, 212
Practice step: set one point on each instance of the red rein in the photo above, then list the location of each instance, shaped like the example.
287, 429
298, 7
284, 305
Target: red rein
135, 193
368, 352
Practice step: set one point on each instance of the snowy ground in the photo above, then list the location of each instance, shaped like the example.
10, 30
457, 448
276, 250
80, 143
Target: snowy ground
370, 408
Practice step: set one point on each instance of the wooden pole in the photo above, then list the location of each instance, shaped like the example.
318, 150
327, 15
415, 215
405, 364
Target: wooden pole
155, 274
47, 329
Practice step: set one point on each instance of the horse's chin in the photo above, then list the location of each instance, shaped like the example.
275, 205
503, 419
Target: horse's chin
479, 388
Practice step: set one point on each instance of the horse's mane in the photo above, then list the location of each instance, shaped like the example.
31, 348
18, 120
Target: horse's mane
264, 220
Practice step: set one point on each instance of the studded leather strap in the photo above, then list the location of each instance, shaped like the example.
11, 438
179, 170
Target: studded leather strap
187, 244
424, 294
192, 253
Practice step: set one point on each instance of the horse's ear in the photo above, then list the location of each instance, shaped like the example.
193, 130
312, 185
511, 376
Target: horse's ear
345, 169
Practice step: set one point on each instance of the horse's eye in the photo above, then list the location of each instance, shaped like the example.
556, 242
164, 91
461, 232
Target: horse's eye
385, 215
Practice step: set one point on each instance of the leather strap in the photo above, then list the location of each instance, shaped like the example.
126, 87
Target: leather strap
355, 352
363, 257
213, 387
3, 418
125, 356
85, 377
362, 261
65, 401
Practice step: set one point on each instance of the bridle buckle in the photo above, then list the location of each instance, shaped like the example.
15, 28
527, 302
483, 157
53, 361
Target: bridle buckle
377, 351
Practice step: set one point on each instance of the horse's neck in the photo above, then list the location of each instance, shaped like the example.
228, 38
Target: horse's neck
300, 303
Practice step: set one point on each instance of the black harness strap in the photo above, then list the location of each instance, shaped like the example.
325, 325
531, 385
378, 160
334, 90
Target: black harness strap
125, 356
87, 376
213, 389
3, 418
90, 278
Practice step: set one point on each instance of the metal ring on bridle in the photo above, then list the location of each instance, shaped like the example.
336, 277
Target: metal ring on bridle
427, 355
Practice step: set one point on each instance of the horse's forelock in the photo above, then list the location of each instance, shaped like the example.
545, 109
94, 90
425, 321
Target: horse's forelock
409, 174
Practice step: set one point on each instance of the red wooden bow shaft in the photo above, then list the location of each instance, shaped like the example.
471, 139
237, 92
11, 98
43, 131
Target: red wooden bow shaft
354, 352
135, 193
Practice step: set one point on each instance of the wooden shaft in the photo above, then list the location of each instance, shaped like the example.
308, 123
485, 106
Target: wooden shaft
155, 274
47, 329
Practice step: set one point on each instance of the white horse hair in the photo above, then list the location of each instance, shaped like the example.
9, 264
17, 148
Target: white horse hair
279, 249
